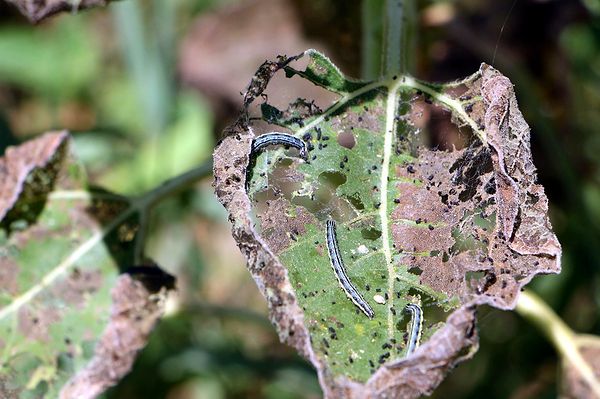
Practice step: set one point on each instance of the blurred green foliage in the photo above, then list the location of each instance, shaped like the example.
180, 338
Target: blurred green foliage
109, 75
57, 63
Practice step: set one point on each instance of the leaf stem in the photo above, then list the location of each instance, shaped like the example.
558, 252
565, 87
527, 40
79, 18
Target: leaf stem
372, 38
400, 17
535, 310
145, 202
150, 198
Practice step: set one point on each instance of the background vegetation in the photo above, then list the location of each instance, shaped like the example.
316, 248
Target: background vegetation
146, 88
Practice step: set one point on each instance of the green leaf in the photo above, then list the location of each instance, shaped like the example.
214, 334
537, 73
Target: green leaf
62, 249
322, 72
56, 61
443, 229
186, 142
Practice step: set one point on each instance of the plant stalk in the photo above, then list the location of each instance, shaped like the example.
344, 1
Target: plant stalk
535, 310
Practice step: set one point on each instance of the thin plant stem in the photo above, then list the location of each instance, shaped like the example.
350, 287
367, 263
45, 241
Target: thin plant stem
372, 38
400, 33
535, 310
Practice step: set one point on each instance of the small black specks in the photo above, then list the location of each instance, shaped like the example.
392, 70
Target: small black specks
430, 227
410, 169
419, 221
325, 343
377, 289
371, 363
396, 200
368, 287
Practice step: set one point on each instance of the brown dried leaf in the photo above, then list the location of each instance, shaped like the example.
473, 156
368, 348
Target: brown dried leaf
573, 384
35, 161
37, 10
134, 312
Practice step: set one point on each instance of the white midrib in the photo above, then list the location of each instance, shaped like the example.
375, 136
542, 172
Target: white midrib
391, 105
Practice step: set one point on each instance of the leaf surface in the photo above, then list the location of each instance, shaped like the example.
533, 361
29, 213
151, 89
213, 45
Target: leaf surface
444, 229
62, 249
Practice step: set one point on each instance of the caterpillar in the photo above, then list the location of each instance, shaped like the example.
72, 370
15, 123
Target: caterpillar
340, 272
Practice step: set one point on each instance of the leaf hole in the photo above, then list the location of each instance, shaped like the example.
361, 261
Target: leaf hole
346, 139
356, 201
370, 234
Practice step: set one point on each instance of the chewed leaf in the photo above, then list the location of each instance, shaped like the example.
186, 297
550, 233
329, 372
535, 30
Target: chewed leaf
62, 249
39, 10
432, 231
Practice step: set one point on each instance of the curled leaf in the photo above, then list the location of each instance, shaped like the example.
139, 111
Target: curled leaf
442, 229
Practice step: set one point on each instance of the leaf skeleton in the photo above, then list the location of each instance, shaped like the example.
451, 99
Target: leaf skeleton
416, 327
275, 138
340, 272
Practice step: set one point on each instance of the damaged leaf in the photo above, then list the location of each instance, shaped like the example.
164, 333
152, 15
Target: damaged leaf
443, 229
62, 249
36, 11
